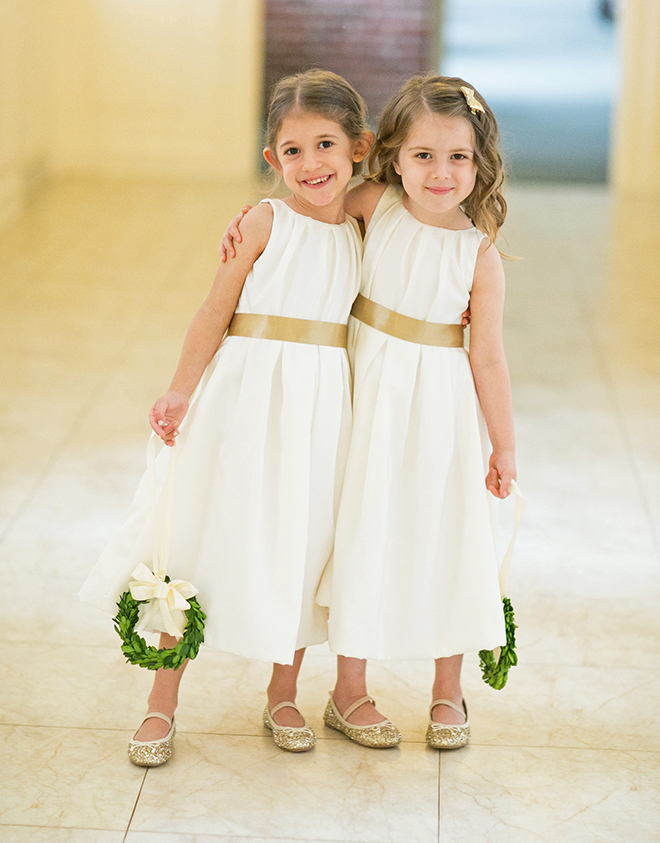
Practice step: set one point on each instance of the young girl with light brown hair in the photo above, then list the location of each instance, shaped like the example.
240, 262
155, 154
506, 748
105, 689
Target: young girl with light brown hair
415, 566
262, 399
415, 573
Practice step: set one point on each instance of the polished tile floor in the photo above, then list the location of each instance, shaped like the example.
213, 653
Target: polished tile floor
99, 281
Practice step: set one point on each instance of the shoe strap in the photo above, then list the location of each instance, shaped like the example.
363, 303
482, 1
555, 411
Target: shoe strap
160, 716
284, 705
354, 706
449, 703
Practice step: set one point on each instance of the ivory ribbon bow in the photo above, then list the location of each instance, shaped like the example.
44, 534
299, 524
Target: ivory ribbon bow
166, 598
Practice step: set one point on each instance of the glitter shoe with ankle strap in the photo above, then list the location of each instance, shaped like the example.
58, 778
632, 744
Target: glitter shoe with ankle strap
375, 735
153, 753
291, 738
444, 735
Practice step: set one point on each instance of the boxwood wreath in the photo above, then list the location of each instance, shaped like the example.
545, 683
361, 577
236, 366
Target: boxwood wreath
137, 651
496, 672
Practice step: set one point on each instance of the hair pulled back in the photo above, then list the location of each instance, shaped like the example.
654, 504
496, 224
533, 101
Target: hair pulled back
485, 206
317, 92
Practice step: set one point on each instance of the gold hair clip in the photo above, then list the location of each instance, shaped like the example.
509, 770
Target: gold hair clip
473, 103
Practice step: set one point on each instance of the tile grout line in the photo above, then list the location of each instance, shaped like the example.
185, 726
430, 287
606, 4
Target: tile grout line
331, 741
137, 799
439, 797
242, 838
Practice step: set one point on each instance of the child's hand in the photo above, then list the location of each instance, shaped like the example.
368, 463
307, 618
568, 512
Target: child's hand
502, 470
466, 317
167, 414
232, 233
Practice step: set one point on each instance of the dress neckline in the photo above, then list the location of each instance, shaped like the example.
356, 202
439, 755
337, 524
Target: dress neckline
306, 216
399, 193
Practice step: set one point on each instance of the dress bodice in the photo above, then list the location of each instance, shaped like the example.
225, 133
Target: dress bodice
308, 270
416, 269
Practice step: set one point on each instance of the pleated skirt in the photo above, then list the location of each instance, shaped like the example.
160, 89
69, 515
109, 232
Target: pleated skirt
261, 460
415, 570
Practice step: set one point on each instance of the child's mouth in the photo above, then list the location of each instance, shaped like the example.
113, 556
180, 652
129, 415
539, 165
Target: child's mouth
441, 191
317, 182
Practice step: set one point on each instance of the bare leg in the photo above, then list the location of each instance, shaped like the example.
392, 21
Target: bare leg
351, 685
164, 696
282, 687
447, 686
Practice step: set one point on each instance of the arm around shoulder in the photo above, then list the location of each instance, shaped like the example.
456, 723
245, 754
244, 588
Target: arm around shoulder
361, 201
222, 299
255, 232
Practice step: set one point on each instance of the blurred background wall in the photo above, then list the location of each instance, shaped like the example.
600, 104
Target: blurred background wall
548, 69
127, 88
174, 89
375, 44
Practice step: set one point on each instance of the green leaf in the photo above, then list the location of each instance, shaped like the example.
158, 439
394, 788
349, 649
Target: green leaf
137, 651
495, 673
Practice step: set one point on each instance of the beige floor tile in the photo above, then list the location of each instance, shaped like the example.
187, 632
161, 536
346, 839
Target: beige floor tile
34, 834
73, 687
569, 630
69, 778
560, 706
246, 786
149, 837
524, 795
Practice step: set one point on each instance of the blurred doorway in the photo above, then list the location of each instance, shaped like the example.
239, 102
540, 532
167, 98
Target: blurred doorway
548, 69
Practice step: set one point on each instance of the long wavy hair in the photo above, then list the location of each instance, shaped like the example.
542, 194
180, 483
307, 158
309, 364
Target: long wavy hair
420, 95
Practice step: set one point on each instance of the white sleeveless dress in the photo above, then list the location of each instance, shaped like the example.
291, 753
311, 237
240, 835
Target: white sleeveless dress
415, 568
261, 459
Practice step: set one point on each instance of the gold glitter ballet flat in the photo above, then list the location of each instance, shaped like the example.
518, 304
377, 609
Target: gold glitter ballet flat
153, 753
291, 738
444, 735
376, 735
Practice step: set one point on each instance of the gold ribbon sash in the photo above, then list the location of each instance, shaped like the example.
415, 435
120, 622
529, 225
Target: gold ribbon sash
286, 329
405, 327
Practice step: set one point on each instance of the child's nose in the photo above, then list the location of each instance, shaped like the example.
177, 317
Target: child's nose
311, 160
442, 170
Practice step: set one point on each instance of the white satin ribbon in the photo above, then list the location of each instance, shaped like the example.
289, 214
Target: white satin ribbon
168, 600
508, 556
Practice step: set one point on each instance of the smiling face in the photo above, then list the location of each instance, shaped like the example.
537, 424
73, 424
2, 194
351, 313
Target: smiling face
437, 168
315, 157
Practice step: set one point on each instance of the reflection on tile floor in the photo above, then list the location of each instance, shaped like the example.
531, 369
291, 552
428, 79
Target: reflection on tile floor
569, 751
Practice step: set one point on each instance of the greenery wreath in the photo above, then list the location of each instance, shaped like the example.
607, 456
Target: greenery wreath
137, 651
495, 673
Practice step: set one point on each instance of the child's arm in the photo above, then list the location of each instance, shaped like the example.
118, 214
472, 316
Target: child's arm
491, 374
360, 203
209, 325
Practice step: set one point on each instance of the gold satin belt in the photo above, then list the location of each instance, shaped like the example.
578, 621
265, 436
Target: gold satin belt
286, 329
405, 327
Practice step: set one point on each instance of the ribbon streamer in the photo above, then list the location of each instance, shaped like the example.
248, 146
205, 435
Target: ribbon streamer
508, 556
168, 600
